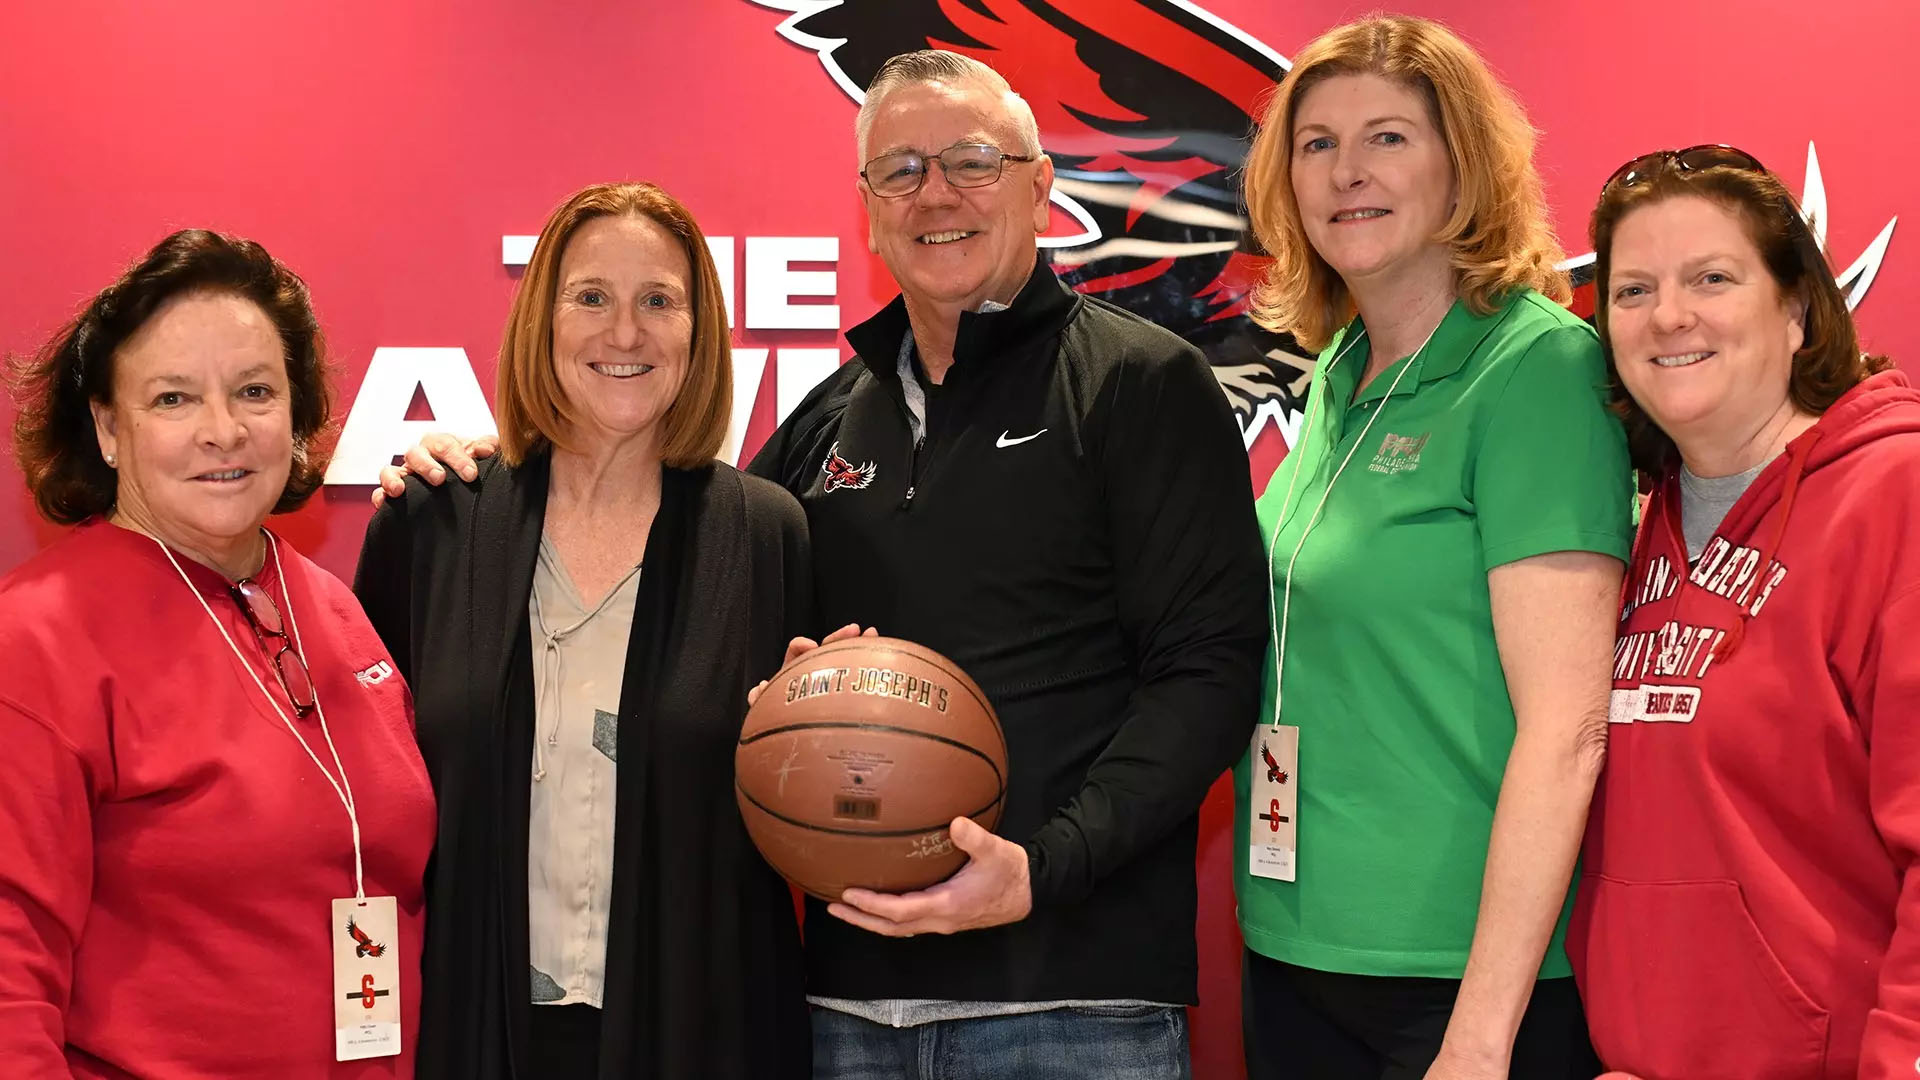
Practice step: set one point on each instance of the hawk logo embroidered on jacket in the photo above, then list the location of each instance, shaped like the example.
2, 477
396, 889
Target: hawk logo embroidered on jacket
841, 473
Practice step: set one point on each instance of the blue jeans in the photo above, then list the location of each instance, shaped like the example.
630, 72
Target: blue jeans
1142, 1043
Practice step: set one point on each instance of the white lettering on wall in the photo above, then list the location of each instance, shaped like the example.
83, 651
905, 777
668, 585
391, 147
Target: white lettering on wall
748, 366
796, 372
772, 284
377, 428
800, 371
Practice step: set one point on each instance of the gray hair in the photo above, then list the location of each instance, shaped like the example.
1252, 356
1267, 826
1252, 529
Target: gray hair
939, 65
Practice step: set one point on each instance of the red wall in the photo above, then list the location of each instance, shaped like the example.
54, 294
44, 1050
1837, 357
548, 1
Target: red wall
383, 148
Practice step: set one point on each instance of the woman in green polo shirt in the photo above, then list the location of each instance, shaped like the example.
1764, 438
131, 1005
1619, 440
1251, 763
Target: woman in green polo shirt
1447, 538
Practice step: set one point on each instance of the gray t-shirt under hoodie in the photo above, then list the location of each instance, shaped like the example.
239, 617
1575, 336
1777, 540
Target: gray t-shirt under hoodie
1705, 502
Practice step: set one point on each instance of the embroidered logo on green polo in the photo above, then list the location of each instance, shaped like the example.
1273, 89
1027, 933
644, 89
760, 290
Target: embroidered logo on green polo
1399, 453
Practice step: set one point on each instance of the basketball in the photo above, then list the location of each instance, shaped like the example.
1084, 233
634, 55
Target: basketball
857, 756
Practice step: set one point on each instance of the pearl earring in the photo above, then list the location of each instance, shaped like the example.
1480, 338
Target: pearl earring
110, 461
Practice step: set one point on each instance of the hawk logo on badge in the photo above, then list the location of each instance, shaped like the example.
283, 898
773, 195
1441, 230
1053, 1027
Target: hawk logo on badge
1275, 775
363, 946
841, 473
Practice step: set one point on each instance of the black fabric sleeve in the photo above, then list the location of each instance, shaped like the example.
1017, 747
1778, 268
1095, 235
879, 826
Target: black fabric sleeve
781, 545
797, 550
383, 579
1190, 590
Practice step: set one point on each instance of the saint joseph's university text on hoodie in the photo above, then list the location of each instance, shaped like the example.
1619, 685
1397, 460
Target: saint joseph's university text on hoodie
1750, 905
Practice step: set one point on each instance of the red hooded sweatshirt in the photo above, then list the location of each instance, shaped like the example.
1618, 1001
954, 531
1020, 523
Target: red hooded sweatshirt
1750, 899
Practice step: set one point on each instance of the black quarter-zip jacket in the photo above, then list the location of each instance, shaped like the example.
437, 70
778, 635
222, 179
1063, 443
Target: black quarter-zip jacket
1076, 530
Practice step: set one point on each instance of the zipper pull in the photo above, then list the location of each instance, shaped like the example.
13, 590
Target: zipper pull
913, 473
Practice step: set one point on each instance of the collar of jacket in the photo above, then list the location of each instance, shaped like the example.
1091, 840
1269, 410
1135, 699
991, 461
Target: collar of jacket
1042, 307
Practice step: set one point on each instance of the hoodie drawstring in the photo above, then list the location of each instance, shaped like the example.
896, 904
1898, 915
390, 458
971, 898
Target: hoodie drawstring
1797, 454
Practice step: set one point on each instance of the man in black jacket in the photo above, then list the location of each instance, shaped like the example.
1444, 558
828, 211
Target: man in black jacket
1053, 493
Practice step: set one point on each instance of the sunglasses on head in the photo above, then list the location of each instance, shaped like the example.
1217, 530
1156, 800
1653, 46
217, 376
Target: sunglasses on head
1711, 156
1692, 159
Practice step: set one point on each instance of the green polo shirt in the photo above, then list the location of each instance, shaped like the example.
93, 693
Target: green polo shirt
1496, 446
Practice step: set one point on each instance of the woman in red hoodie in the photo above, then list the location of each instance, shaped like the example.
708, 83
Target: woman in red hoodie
1751, 900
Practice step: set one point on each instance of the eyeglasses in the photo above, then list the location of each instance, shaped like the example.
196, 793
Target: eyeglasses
1692, 159
295, 682
967, 165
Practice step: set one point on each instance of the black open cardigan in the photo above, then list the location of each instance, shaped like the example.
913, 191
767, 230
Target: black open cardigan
703, 970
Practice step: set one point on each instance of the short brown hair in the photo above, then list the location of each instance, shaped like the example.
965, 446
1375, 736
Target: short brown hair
534, 411
1829, 362
54, 438
1499, 233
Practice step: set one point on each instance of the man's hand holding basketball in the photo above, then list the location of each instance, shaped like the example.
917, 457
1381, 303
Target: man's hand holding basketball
992, 889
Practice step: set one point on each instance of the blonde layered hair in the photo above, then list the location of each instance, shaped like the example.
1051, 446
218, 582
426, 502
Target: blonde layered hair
533, 410
1498, 233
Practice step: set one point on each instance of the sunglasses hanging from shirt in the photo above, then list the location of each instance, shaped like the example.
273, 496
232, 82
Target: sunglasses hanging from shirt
363, 931
288, 665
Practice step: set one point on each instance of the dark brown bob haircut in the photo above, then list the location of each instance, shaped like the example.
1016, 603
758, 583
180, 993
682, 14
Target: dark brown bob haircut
1829, 361
53, 437
531, 408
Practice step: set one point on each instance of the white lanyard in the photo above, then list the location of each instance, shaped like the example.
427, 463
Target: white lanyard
340, 787
1286, 593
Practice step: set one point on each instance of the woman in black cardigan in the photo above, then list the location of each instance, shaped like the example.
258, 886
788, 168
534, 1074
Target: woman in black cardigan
637, 933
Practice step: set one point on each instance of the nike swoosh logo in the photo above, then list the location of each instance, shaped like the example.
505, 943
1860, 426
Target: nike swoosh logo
1003, 442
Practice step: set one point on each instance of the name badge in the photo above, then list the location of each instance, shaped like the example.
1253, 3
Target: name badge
366, 978
1273, 836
